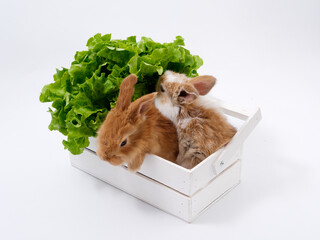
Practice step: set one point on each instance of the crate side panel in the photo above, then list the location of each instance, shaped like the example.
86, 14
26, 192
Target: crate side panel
223, 161
136, 185
229, 178
207, 172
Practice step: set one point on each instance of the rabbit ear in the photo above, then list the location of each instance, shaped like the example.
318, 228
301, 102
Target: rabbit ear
126, 92
203, 83
187, 94
146, 103
141, 106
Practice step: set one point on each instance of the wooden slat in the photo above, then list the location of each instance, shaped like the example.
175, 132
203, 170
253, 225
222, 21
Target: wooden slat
93, 144
232, 109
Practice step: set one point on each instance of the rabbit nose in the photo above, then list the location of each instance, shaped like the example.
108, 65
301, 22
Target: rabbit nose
107, 156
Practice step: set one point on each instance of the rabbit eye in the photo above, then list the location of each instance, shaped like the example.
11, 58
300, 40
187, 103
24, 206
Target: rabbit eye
123, 143
162, 89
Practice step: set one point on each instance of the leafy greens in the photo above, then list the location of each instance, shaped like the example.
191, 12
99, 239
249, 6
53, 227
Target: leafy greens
82, 95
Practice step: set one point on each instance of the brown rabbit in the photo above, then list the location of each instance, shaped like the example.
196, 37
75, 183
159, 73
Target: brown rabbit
131, 130
202, 129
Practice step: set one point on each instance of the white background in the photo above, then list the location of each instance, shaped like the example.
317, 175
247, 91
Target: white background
264, 53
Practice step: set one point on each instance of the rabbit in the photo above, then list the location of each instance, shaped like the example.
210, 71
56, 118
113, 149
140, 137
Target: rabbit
131, 130
201, 128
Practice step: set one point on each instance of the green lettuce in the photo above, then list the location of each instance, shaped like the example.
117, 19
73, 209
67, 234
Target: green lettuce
82, 95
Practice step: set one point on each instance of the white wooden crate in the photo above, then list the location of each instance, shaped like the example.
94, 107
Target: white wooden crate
181, 192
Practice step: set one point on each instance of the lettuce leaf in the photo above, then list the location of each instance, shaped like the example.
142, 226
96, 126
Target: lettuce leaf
83, 95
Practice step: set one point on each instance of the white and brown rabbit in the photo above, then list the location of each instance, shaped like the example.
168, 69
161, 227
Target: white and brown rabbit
131, 130
202, 129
